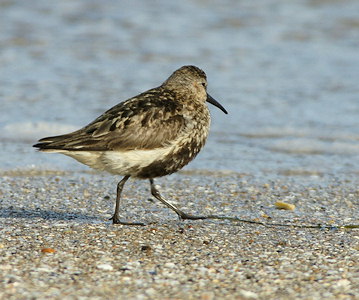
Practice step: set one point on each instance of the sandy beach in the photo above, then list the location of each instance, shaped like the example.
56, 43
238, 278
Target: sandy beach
57, 241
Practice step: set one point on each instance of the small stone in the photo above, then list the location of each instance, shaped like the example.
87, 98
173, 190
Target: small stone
151, 292
146, 248
48, 250
170, 265
86, 193
342, 283
207, 296
105, 267
284, 205
248, 294
45, 269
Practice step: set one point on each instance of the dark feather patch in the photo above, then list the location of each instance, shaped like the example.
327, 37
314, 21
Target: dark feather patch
143, 122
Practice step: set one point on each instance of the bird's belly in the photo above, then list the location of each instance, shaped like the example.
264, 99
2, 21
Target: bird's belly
131, 162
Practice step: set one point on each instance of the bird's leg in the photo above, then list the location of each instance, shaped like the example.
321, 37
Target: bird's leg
116, 216
182, 215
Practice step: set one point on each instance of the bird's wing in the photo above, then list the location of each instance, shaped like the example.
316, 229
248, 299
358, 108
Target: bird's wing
149, 120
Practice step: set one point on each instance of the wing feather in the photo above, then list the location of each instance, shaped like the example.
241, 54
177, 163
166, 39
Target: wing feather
149, 120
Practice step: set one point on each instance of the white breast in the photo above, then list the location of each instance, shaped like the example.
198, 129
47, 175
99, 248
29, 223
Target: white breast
119, 162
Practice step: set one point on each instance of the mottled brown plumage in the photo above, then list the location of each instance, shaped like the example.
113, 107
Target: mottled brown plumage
153, 134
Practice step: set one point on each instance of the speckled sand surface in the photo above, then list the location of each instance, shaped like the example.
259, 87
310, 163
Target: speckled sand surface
171, 259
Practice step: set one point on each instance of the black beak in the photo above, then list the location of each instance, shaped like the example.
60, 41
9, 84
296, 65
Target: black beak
216, 103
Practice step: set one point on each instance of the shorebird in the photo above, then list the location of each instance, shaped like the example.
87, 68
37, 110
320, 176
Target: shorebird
153, 134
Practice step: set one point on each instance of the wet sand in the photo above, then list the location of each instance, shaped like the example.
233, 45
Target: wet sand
57, 241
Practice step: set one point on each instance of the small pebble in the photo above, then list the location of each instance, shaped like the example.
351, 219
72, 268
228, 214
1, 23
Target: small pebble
170, 265
248, 294
48, 250
284, 205
105, 267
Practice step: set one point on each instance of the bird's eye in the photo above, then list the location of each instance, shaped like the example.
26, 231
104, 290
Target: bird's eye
204, 84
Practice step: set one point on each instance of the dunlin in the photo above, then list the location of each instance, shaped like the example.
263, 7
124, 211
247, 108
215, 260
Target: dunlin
150, 135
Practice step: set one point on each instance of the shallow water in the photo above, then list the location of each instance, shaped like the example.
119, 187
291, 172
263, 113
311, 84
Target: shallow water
287, 72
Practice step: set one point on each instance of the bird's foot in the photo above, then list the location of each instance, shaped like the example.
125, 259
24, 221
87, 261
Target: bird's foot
116, 220
184, 216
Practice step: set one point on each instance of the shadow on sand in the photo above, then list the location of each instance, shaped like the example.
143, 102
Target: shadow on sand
13, 213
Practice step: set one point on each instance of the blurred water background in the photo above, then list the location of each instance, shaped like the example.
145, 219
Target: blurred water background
287, 72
